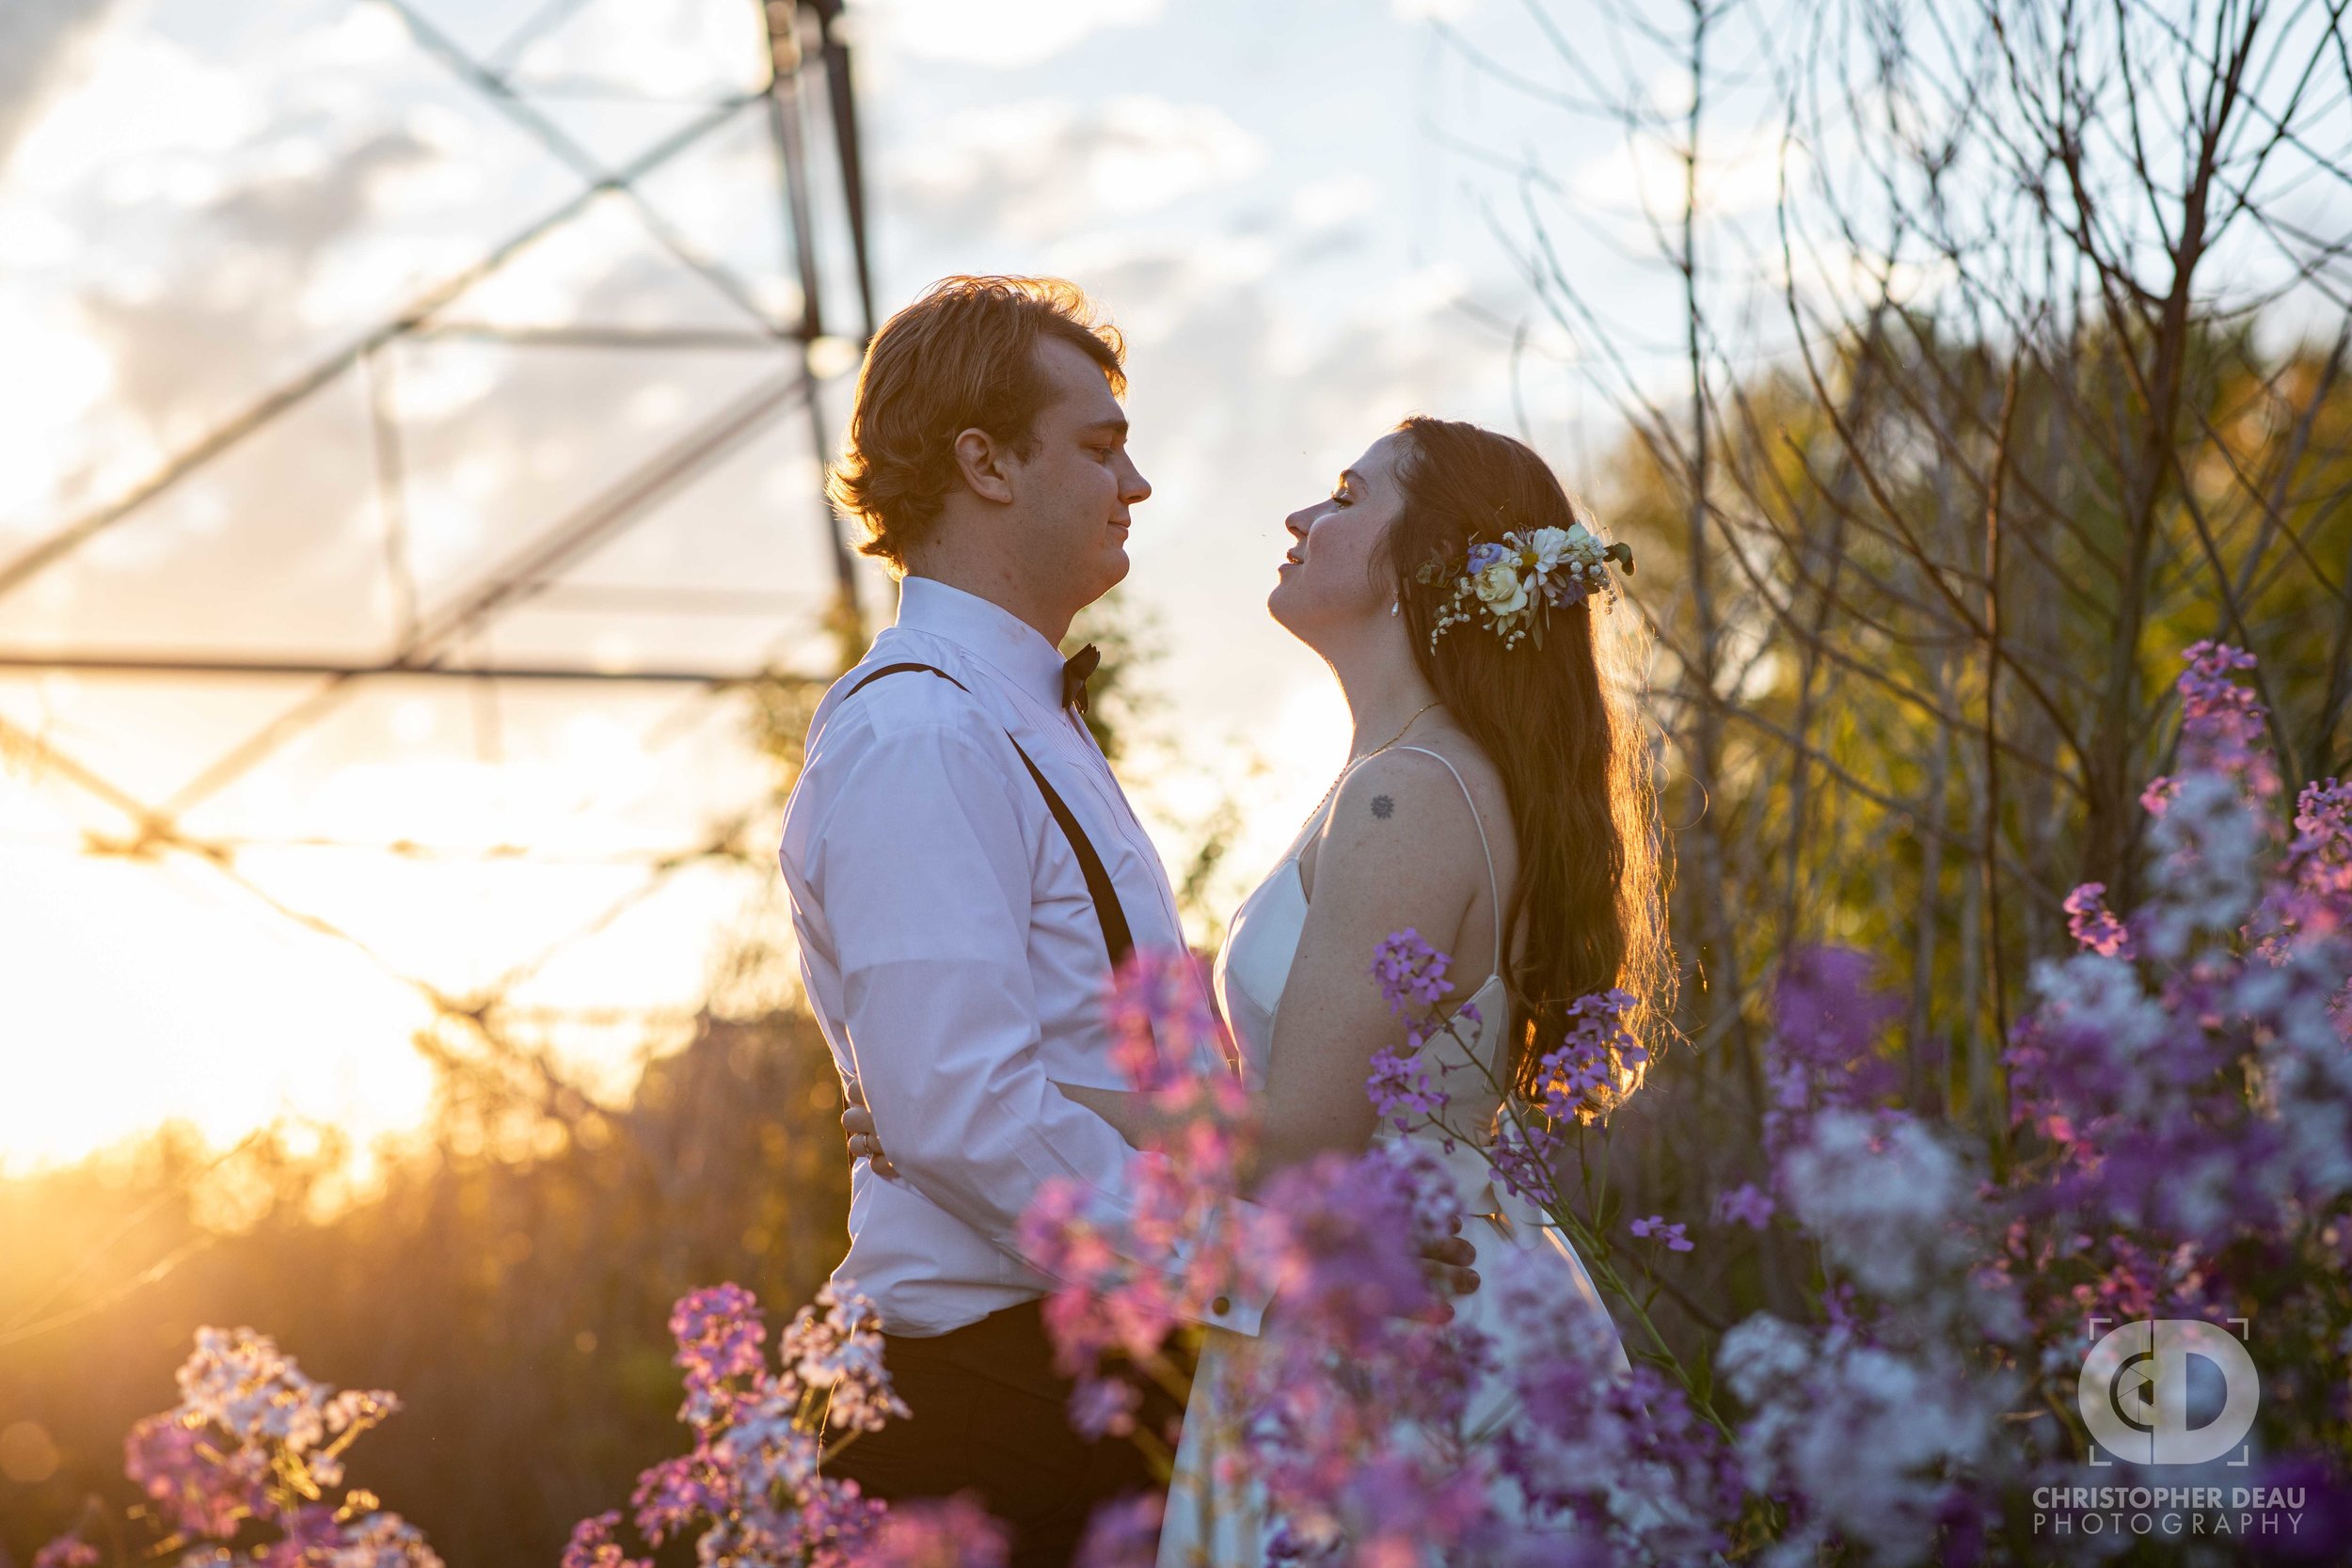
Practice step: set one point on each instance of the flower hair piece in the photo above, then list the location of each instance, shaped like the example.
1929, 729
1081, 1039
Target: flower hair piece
1516, 582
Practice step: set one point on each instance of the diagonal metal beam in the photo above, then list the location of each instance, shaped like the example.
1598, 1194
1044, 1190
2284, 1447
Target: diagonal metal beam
208, 665
258, 414
688, 337
528, 571
522, 575
153, 836
423, 651
501, 96
552, 15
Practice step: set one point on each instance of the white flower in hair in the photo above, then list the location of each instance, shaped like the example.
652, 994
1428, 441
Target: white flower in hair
1501, 589
1551, 544
1516, 581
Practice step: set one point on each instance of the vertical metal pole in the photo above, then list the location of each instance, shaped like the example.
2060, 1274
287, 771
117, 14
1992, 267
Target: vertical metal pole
848, 146
782, 20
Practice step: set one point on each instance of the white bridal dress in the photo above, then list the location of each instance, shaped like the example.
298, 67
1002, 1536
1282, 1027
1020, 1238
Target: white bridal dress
1251, 969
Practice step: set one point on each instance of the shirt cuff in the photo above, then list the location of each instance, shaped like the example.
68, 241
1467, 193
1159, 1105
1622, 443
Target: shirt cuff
1240, 1305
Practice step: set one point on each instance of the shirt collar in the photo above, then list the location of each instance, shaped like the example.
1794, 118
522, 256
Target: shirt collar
1016, 648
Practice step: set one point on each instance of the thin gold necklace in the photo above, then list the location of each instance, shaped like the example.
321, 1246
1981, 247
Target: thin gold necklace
1369, 755
1400, 731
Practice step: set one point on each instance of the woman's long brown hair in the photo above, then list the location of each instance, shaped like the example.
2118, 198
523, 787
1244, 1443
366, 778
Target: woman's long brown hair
1558, 724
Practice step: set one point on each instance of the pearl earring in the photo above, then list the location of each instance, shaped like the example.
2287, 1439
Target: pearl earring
1394, 604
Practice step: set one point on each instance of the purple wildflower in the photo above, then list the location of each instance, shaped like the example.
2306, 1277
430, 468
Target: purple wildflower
194, 1485
1102, 1406
1655, 1228
2324, 1497
1594, 1064
1348, 1261
593, 1546
2312, 897
1823, 1052
1401, 1090
2222, 726
2090, 921
1606, 1460
956, 1533
839, 1351
312, 1535
1365, 1458
1746, 1204
1162, 1028
1410, 971
673, 1493
719, 1336
66, 1551
1520, 1157
751, 1484
1124, 1533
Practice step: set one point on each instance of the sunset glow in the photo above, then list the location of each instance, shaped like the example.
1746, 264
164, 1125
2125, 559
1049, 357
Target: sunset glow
200, 201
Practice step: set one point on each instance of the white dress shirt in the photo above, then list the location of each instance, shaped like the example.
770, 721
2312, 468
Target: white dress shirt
952, 953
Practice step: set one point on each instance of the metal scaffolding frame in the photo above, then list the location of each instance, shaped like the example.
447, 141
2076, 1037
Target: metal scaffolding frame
802, 38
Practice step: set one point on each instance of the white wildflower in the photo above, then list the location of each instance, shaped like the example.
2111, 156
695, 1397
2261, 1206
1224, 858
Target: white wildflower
1880, 1195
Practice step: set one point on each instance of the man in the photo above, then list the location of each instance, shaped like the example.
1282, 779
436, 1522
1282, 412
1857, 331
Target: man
964, 870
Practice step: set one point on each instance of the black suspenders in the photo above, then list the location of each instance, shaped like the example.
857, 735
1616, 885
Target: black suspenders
1117, 939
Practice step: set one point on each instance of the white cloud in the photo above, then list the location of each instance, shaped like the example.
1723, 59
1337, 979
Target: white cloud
1332, 202
1039, 169
146, 100
1739, 173
46, 45
668, 49
1001, 34
56, 376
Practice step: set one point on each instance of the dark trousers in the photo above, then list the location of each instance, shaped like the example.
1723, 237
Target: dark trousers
988, 1414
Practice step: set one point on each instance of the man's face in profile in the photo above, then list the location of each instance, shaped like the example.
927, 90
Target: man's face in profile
1077, 484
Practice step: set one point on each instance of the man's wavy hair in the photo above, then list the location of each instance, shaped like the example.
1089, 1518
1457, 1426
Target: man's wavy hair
963, 356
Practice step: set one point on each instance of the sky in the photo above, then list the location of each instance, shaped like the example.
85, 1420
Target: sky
1298, 211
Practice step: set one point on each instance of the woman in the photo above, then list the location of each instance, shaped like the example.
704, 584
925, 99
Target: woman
1494, 802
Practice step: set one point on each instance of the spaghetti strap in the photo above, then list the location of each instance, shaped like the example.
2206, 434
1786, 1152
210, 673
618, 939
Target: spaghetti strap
1494, 895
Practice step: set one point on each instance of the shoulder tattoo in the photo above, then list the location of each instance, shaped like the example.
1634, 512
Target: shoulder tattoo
1382, 807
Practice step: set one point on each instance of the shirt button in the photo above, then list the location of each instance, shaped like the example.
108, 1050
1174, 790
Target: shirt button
1220, 1307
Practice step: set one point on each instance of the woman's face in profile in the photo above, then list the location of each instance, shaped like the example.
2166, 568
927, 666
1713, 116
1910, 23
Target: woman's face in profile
1332, 577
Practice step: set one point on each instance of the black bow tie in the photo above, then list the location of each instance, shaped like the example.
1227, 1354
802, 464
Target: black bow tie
1075, 671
